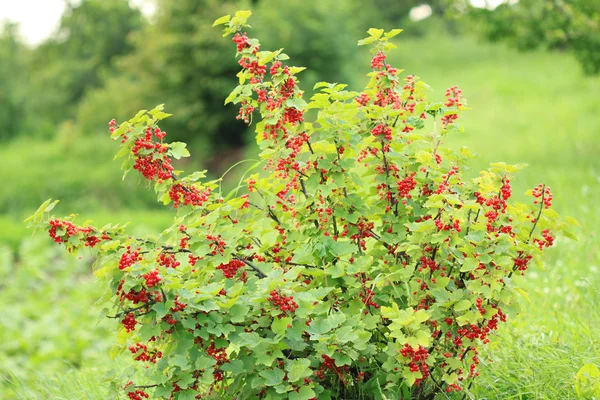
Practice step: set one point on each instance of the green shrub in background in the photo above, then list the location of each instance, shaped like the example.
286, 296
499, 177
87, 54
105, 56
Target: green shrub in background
12, 90
47, 310
556, 25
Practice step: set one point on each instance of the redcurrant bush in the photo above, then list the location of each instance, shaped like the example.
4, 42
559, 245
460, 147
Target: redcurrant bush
353, 261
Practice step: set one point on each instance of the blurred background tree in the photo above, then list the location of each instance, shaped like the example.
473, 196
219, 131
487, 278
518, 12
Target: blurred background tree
12, 88
64, 68
563, 25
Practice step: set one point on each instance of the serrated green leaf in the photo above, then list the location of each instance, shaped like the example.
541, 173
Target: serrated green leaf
273, 376
375, 33
298, 369
178, 150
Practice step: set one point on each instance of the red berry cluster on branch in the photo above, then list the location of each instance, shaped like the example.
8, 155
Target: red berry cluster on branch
418, 360
543, 192
231, 268
167, 260
152, 278
285, 303
129, 322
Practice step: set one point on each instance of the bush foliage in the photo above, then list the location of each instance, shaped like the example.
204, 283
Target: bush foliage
360, 263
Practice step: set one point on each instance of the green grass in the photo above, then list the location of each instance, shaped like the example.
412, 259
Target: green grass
535, 108
74, 384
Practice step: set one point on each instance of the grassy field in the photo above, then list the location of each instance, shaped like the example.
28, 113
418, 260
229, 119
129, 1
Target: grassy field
535, 108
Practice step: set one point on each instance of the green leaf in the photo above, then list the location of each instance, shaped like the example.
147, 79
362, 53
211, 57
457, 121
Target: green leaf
375, 33
366, 41
223, 20
346, 334
470, 264
340, 249
234, 94
180, 361
587, 382
462, 305
306, 393
392, 33
235, 366
298, 369
238, 313
296, 70
243, 14
272, 376
178, 150
280, 325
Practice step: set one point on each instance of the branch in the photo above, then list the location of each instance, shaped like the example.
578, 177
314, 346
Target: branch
539, 213
130, 310
258, 271
146, 386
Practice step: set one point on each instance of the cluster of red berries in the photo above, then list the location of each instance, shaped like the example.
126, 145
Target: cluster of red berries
129, 322
285, 303
231, 268
406, 185
274, 70
178, 306
135, 296
193, 260
454, 96
368, 298
441, 226
188, 195
70, 230
453, 388
167, 260
544, 193
329, 364
378, 61
245, 113
386, 96
138, 395
129, 258
140, 352
152, 278
548, 240
409, 91
293, 116
217, 245
382, 130
241, 41
418, 360
479, 305
220, 356
363, 99
147, 162
506, 190
426, 262
522, 262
